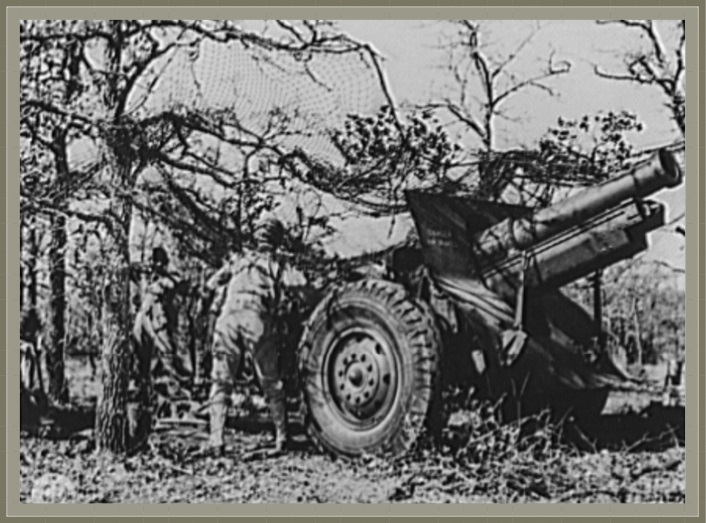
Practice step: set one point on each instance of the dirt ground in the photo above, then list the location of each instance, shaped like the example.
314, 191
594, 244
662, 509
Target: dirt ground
633, 454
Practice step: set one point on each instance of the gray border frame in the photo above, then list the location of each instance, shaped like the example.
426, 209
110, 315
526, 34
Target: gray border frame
694, 503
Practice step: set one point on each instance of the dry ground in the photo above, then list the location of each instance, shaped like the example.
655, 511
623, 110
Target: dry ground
631, 455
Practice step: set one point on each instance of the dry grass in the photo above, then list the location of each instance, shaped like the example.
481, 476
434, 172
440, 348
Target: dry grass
627, 457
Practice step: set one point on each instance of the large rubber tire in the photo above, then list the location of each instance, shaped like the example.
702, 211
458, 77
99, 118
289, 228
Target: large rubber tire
369, 364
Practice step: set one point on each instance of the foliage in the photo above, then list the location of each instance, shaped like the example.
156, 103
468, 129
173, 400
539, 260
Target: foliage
591, 148
386, 153
86, 266
479, 460
573, 153
643, 310
537, 460
417, 147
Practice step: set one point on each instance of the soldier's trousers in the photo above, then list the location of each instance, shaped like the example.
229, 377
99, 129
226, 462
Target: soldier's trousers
157, 358
235, 334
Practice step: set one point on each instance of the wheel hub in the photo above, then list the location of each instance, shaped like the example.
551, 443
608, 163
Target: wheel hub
362, 375
356, 376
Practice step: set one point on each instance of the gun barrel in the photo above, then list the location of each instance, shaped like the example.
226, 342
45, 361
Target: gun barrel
497, 241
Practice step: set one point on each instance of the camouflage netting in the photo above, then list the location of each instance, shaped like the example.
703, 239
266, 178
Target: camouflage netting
247, 92
256, 89
293, 101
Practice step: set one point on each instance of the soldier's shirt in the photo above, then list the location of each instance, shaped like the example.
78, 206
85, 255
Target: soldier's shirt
157, 316
256, 281
158, 305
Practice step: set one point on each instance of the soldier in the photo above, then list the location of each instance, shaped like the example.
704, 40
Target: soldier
154, 329
249, 323
33, 398
672, 382
30, 343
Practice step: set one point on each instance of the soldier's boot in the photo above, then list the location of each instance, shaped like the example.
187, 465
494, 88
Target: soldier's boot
278, 410
218, 412
274, 391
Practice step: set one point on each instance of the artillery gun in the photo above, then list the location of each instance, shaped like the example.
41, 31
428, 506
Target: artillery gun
479, 302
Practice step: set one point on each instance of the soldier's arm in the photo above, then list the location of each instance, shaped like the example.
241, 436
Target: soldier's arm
296, 284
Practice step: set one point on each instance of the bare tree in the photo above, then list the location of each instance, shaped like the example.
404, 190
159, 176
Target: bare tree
45, 141
105, 60
655, 63
115, 62
495, 77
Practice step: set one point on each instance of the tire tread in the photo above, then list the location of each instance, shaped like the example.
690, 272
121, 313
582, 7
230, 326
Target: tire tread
417, 324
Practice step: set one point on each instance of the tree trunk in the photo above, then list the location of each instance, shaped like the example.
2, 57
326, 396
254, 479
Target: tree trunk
114, 433
111, 417
24, 268
57, 275
57, 311
638, 332
33, 256
30, 253
122, 423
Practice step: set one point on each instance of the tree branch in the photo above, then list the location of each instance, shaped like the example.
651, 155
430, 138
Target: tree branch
462, 116
501, 67
535, 81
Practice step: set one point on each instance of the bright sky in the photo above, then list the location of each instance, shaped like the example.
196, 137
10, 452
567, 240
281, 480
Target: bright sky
415, 63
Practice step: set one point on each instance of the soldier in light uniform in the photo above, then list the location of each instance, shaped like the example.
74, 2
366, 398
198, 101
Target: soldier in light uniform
249, 323
153, 332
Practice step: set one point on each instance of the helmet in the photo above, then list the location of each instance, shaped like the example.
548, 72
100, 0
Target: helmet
268, 231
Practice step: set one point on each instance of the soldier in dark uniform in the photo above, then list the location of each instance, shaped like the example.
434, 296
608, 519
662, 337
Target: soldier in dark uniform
155, 326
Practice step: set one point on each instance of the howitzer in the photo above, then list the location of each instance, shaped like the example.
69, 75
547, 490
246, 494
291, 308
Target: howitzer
518, 234
372, 351
480, 240
593, 229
